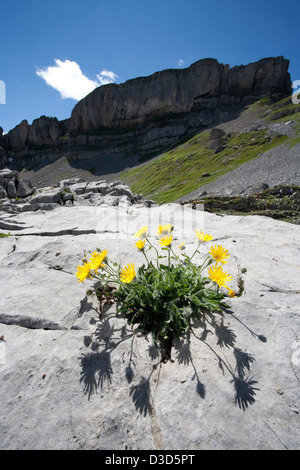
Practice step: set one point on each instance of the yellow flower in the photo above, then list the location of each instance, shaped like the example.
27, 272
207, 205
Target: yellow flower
83, 272
142, 232
181, 246
166, 241
165, 229
202, 237
219, 276
231, 293
97, 259
219, 253
128, 273
140, 244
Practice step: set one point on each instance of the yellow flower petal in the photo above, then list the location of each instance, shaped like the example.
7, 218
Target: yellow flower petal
231, 293
166, 241
202, 237
165, 229
83, 272
219, 253
140, 244
142, 232
128, 273
181, 246
97, 259
219, 276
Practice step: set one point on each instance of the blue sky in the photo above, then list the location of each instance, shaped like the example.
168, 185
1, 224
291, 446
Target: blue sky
52, 53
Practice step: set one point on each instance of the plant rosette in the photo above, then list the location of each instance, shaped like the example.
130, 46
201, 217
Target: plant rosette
163, 296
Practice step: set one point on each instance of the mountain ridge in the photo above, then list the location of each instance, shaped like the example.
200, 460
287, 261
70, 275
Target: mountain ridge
145, 115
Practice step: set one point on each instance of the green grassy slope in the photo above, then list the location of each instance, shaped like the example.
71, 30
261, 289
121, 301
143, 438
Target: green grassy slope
192, 164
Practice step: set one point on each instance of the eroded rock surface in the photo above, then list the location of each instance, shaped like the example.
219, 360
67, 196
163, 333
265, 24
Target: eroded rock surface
76, 378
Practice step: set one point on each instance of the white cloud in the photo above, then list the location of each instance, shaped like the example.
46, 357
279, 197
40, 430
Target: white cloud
106, 77
180, 62
67, 78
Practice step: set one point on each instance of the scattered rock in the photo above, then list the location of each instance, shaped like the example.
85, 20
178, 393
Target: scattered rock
11, 189
216, 133
11, 186
43, 206
78, 193
70, 181
25, 188
47, 197
149, 203
3, 193
219, 148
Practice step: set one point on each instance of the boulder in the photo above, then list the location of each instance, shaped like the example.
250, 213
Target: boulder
79, 188
25, 187
70, 181
215, 144
124, 190
92, 187
216, 133
11, 188
103, 187
6, 173
11, 185
53, 196
3, 193
67, 196
43, 206
149, 203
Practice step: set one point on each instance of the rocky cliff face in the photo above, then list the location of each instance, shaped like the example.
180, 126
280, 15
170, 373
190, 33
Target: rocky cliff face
147, 114
203, 87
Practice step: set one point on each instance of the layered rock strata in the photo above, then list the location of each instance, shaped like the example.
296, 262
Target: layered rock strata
146, 114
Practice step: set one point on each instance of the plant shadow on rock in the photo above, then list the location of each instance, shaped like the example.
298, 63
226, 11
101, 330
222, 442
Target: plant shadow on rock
96, 367
244, 386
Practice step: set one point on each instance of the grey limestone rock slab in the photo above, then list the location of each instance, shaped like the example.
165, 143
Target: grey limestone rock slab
75, 377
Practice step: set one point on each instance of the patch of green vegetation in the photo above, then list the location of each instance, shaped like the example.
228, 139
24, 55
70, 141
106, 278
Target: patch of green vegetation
267, 203
294, 140
64, 192
192, 164
5, 235
65, 136
284, 111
